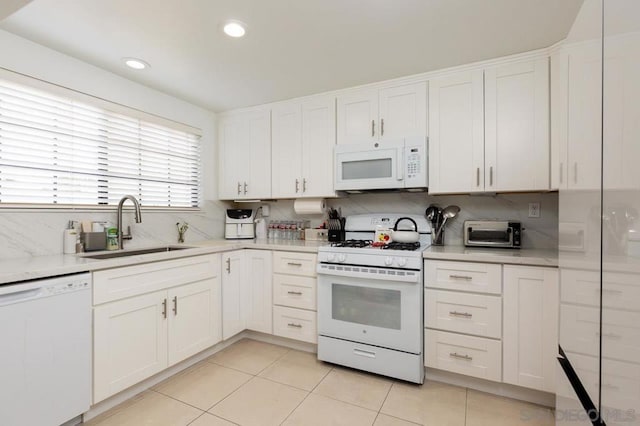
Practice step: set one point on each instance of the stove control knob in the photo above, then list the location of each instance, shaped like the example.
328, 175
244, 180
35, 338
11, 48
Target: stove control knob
402, 261
331, 257
388, 261
342, 257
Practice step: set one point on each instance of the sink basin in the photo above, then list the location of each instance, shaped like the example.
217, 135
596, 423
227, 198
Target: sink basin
116, 254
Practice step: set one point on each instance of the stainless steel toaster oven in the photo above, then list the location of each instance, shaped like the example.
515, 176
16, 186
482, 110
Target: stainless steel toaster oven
492, 233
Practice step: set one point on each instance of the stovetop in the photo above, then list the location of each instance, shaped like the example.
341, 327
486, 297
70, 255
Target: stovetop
368, 243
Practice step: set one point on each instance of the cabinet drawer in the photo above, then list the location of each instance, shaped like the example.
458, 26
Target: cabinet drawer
463, 312
285, 262
119, 283
294, 291
471, 356
295, 324
465, 276
619, 291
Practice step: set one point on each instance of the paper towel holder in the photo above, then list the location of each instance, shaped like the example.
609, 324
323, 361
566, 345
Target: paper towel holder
311, 206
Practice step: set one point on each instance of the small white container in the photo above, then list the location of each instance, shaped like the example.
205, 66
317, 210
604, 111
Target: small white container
70, 238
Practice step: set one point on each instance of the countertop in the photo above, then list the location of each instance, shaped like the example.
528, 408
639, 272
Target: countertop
529, 257
29, 268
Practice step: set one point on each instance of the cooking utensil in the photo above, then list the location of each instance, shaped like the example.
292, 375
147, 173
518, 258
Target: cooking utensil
448, 213
405, 236
431, 213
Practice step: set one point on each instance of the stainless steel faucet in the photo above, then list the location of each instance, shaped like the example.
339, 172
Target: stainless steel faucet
121, 235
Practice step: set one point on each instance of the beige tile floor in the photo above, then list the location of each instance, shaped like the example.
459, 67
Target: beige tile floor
255, 383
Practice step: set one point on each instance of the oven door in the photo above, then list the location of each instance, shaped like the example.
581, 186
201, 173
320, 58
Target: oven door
374, 310
365, 166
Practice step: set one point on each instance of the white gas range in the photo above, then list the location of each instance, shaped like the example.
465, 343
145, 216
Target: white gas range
370, 299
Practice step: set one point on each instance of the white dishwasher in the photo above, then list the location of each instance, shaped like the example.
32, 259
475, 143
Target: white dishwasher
45, 350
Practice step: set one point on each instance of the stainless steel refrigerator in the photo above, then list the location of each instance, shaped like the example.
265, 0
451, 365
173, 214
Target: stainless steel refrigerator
596, 145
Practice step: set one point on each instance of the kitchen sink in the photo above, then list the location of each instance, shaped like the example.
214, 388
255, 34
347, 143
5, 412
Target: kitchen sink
126, 253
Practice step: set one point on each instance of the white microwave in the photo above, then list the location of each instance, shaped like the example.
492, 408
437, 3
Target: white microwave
400, 164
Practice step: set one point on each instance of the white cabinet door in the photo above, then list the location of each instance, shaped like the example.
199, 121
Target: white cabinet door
245, 143
258, 279
403, 111
258, 181
318, 141
456, 133
233, 294
584, 116
286, 160
193, 318
559, 89
530, 329
517, 126
358, 116
233, 164
130, 342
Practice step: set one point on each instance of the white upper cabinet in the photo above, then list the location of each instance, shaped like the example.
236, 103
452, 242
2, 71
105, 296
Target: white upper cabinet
302, 148
577, 129
390, 113
245, 146
517, 126
489, 129
456, 133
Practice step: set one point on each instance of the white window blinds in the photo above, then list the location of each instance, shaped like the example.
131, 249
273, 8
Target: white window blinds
60, 151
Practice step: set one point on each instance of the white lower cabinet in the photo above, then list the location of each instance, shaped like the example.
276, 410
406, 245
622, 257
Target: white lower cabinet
137, 337
468, 355
530, 340
246, 292
294, 296
496, 322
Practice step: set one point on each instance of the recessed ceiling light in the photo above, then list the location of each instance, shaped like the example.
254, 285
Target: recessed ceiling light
135, 63
234, 28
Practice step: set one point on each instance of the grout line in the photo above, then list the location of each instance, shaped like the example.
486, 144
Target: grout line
466, 404
178, 400
202, 414
385, 397
308, 394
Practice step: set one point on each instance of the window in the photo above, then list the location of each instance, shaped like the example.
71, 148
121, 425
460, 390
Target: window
60, 151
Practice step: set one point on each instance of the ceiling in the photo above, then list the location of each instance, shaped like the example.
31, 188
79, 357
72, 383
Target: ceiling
292, 47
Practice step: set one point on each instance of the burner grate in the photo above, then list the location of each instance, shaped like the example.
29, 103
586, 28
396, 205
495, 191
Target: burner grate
352, 243
402, 246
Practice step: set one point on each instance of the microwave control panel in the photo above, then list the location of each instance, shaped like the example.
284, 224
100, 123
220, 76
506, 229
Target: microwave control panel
415, 160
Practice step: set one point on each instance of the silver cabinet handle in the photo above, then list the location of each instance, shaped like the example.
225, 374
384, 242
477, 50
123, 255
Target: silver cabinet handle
491, 176
373, 128
245, 188
610, 335
228, 265
478, 177
460, 314
175, 305
294, 325
304, 185
239, 188
164, 308
294, 264
575, 172
382, 127
297, 185
457, 355
461, 277
297, 293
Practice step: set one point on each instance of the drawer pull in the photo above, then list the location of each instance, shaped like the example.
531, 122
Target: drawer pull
368, 354
610, 335
460, 314
294, 325
297, 293
461, 277
164, 308
457, 355
604, 290
294, 264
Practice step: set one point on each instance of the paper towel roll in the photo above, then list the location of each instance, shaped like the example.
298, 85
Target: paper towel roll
310, 206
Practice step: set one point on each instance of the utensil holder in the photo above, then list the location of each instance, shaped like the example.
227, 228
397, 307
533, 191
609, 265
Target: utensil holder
94, 241
440, 240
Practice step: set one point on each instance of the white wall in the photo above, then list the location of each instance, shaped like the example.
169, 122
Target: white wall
34, 232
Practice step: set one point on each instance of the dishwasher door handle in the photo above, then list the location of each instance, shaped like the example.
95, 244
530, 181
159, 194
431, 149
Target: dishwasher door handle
18, 296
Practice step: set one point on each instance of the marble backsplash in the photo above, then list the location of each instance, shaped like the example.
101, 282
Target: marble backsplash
39, 233
540, 233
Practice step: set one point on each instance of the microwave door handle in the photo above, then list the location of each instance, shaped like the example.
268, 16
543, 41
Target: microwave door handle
400, 164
